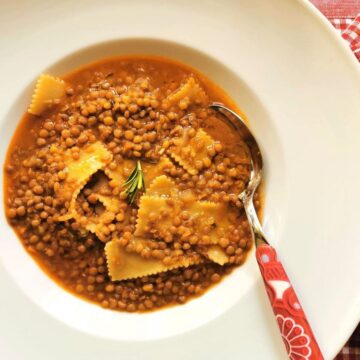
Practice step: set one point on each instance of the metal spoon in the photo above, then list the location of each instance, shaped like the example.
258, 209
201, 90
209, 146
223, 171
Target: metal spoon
295, 330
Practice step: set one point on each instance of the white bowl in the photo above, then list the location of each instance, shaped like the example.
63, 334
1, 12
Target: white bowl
300, 91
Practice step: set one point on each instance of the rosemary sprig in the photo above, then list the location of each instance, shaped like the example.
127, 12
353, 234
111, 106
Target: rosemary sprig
134, 183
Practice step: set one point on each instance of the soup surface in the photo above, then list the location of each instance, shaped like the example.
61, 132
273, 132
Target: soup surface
122, 184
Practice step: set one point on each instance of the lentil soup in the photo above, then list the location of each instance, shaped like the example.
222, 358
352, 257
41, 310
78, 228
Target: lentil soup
122, 184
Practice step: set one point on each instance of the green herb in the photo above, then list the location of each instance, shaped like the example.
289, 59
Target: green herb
135, 183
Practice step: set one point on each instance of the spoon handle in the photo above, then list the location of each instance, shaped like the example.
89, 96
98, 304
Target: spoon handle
295, 330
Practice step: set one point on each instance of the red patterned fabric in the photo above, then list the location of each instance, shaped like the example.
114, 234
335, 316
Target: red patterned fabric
345, 16
351, 350
352, 36
350, 31
338, 9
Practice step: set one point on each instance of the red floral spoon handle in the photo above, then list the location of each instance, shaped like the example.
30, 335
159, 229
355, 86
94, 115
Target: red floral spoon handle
294, 328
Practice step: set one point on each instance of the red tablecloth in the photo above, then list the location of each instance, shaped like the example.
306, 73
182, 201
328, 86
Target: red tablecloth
345, 16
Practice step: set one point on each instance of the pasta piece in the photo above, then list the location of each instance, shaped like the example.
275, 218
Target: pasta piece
112, 203
216, 254
162, 186
210, 221
188, 151
47, 89
154, 205
123, 265
189, 92
208, 218
203, 209
91, 159
163, 199
207, 215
